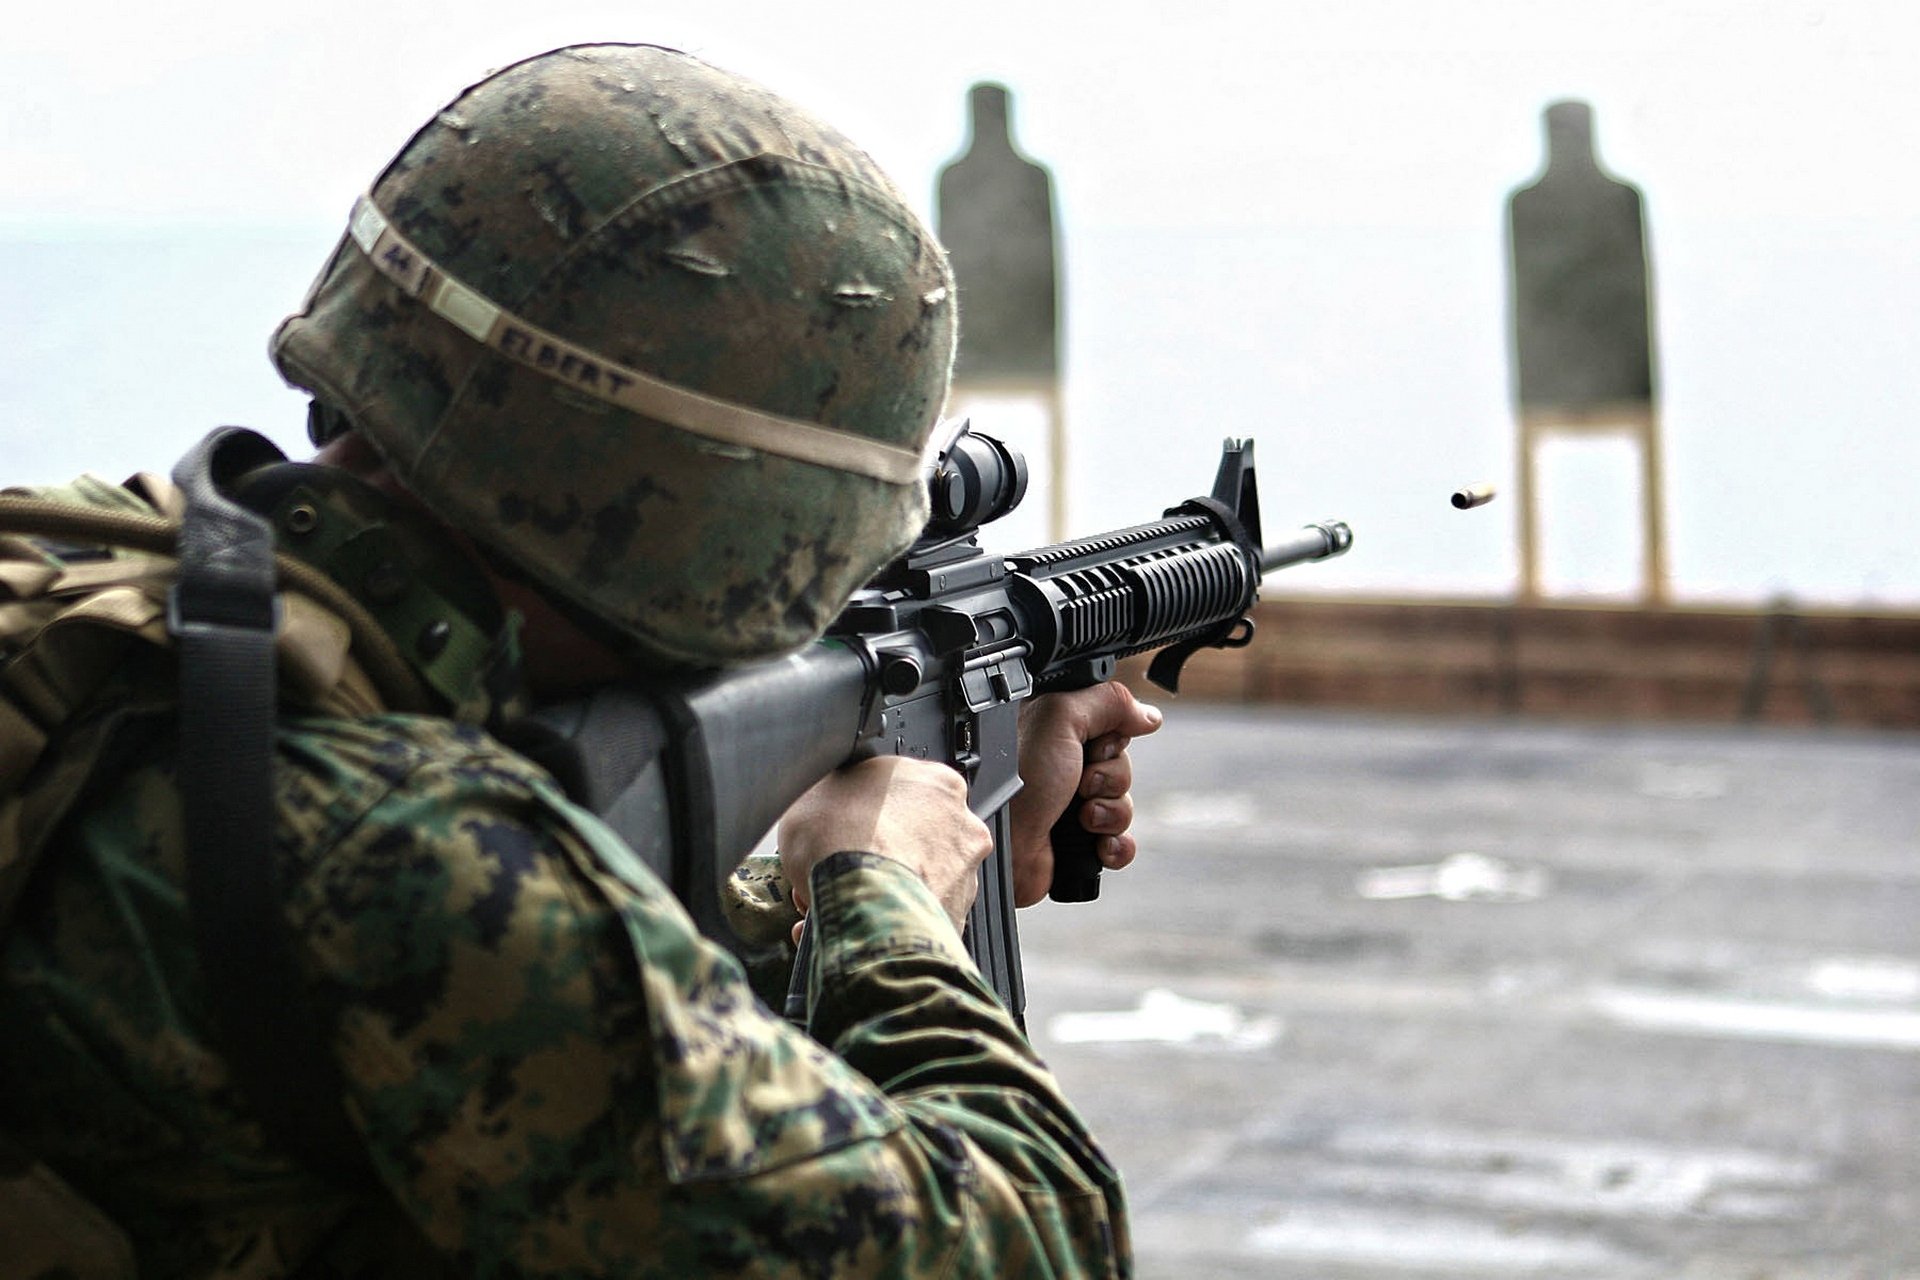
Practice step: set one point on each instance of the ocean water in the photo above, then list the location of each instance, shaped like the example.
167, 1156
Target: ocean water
1369, 364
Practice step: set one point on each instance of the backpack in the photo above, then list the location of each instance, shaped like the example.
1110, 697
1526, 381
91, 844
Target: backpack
90, 575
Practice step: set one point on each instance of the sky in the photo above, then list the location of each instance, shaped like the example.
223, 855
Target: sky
1279, 220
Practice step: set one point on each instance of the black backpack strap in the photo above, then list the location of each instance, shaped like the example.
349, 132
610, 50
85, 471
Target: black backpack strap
221, 613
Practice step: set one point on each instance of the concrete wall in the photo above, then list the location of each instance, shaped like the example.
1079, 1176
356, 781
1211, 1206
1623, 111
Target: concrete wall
1580, 662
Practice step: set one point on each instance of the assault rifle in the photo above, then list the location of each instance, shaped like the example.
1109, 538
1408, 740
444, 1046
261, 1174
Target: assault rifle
931, 659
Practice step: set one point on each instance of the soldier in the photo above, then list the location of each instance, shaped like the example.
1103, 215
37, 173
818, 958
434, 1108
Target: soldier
624, 362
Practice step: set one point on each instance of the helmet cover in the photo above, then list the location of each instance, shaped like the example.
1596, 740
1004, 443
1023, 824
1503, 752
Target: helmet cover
664, 341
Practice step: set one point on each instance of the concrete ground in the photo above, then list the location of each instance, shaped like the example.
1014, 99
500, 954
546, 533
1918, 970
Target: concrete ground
1398, 998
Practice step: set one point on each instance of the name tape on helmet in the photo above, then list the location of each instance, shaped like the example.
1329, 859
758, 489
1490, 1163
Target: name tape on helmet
709, 417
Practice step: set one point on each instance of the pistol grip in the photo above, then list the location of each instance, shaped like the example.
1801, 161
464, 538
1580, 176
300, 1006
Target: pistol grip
1076, 868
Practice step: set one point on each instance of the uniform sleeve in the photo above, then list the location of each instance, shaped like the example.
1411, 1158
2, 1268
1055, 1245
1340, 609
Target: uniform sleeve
556, 1076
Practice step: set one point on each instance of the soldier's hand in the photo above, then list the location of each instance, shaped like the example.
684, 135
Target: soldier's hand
1075, 745
913, 811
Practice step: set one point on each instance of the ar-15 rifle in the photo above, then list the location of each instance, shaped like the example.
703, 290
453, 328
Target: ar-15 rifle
931, 659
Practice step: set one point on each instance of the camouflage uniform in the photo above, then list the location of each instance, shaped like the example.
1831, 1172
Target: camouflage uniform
553, 1073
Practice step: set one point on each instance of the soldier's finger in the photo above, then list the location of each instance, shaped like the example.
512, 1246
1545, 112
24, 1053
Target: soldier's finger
1106, 780
1111, 708
1108, 817
1116, 852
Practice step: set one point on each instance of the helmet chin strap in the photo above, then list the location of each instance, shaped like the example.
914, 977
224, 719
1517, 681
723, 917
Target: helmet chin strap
325, 424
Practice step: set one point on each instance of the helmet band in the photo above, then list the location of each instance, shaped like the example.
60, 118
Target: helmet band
579, 369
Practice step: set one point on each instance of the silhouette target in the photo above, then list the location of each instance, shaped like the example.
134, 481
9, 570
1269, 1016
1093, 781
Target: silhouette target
1582, 334
995, 217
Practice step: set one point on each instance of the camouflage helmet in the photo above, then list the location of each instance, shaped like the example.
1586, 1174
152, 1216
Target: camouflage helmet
667, 343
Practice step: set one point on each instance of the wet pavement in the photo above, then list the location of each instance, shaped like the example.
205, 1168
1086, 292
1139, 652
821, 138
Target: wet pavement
1394, 998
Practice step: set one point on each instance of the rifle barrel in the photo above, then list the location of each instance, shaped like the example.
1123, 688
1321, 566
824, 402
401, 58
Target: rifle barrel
1313, 542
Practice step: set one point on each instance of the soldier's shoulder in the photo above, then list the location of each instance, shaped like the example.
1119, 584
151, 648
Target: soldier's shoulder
337, 774
393, 747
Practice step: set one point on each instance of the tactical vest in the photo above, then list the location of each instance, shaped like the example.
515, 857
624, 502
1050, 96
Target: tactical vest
93, 575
